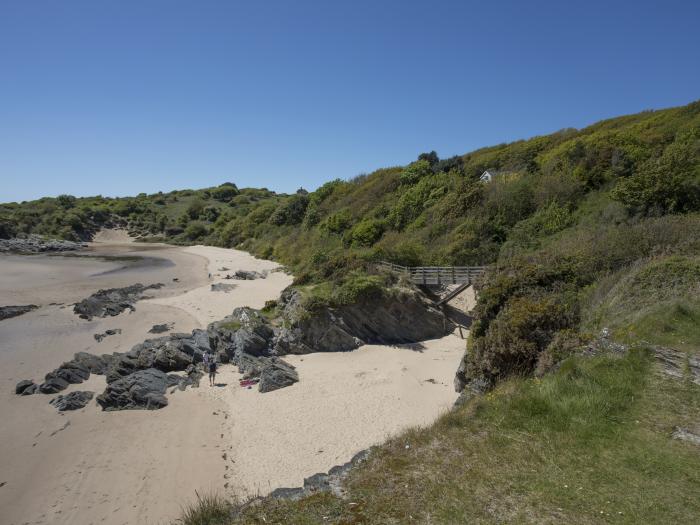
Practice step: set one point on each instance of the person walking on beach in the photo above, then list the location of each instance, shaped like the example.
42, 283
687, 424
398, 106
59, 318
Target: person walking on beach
212, 371
205, 360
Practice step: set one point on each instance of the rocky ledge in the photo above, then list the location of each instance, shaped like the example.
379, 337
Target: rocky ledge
36, 244
13, 311
73, 401
112, 301
252, 341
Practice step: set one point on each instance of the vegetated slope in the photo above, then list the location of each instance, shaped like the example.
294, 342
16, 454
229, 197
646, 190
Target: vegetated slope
432, 211
583, 229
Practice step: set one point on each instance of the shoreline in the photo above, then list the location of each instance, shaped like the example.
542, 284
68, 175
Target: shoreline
142, 466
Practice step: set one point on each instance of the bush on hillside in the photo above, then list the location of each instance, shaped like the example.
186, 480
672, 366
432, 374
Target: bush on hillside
519, 333
225, 192
291, 211
366, 232
195, 230
415, 172
668, 184
337, 222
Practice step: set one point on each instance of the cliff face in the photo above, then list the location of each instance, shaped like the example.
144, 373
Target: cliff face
403, 316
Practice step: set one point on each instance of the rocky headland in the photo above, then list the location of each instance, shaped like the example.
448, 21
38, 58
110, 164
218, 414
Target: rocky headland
33, 243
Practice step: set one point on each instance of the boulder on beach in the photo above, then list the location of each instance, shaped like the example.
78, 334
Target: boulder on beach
143, 389
25, 387
277, 374
106, 333
73, 401
161, 328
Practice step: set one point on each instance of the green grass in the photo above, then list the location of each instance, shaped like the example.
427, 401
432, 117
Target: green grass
654, 301
209, 509
231, 325
675, 324
588, 444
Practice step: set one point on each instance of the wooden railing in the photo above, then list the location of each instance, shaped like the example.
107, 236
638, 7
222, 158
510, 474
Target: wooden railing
435, 275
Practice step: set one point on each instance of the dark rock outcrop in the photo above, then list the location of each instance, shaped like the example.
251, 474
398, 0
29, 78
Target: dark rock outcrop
94, 363
13, 311
161, 328
330, 481
142, 389
112, 301
191, 378
245, 331
245, 275
24, 385
53, 385
404, 316
73, 401
71, 371
170, 353
276, 374
106, 333
222, 287
36, 244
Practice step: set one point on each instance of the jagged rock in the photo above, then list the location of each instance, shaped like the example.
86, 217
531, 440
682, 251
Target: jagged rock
161, 328
73, 401
100, 337
53, 385
33, 389
71, 371
169, 353
36, 244
245, 331
23, 385
112, 301
677, 364
276, 374
191, 378
95, 364
684, 434
13, 311
142, 389
331, 481
402, 317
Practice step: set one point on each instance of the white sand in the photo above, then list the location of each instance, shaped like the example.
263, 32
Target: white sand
142, 466
207, 306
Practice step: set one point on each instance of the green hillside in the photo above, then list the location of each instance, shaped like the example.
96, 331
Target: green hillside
583, 230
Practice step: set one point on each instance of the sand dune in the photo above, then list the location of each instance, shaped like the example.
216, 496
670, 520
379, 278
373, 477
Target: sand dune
90, 466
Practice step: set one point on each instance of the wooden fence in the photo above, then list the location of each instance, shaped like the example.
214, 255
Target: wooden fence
435, 275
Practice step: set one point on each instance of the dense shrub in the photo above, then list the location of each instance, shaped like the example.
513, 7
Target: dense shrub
225, 192
291, 211
668, 184
195, 230
366, 232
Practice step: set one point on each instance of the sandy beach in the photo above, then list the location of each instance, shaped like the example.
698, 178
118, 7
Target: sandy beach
90, 466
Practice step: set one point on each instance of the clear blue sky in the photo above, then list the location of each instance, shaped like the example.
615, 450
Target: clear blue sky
120, 97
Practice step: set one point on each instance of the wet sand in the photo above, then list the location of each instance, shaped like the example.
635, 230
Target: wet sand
90, 466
